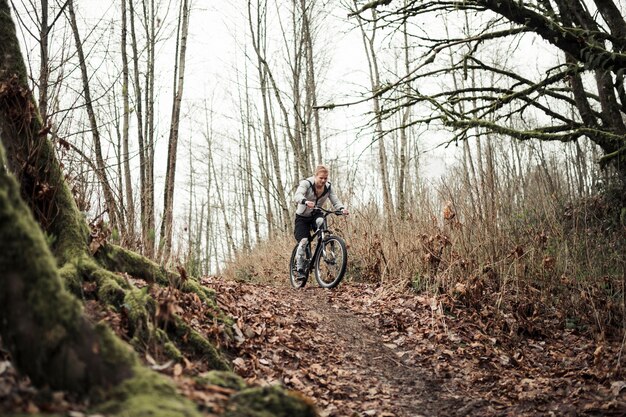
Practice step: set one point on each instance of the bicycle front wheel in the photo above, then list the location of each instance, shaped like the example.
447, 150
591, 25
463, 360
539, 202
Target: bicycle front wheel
331, 262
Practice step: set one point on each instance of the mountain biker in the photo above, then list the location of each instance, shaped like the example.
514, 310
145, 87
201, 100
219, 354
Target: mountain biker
312, 192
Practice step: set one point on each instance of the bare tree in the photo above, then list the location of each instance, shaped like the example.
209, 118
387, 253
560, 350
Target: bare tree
370, 50
128, 184
257, 25
165, 242
145, 120
101, 172
590, 43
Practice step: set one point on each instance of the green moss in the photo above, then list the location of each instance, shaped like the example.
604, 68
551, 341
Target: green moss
118, 259
172, 352
223, 379
207, 295
110, 292
147, 394
199, 344
170, 349
271, 401
71, 278
140, 306
113, 349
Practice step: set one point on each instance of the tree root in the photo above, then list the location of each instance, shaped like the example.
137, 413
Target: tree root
146, 394
269, 401
198, 343
117, 259
140, 308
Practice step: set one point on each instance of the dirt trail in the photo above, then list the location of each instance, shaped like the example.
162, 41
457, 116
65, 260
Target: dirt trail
311, 341
386, 386
361, 351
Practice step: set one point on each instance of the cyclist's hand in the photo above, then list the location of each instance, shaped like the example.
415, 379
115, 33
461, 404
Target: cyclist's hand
345, 212
310, 204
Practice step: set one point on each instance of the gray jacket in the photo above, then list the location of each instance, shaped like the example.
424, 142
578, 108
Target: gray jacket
306, 192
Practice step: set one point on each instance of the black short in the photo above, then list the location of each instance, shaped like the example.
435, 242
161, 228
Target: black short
304, 226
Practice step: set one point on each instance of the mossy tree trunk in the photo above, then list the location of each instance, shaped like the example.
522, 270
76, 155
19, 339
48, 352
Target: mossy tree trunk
43, 326
41, 323
30, 156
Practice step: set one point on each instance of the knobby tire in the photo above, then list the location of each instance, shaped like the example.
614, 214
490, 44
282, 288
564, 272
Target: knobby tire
337, 262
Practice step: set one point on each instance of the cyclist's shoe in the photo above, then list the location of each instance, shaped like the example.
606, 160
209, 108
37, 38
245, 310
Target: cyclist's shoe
301, 275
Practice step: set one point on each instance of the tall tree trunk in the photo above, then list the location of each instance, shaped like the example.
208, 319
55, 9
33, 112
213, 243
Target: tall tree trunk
128, 185
146, 236
370, 49
401, 186
44, 65
248, 132
111, 203
265, 76
311, 111
208, 135
165, 243
147, 192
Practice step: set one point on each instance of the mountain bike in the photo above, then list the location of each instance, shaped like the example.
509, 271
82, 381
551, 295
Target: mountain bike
325, 253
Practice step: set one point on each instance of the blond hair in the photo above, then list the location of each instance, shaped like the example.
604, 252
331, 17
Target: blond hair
321, 168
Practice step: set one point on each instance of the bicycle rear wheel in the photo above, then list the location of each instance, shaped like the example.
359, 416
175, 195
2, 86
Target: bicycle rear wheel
293, 271
331, 262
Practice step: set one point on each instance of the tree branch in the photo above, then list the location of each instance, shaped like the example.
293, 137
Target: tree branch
370, 5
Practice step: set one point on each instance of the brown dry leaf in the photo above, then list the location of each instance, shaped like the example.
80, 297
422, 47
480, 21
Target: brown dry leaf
448, 211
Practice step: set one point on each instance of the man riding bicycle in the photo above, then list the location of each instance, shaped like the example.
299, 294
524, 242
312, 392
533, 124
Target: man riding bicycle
312, 192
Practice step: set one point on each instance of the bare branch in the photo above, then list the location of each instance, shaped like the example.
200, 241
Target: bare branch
370, 5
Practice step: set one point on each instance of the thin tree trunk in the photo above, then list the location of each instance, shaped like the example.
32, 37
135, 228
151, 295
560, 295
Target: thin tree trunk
311, 113
230, 242
101, 173
147, 241
130, 204
248, 132
258, 42
401, 187
44, 65
311, 84
370, 50
149, 225
165, 243
208, 135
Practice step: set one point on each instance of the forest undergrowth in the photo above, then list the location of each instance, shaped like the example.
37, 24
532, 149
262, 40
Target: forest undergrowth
545, 261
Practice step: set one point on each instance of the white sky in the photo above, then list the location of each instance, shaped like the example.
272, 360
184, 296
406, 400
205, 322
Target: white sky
218, 32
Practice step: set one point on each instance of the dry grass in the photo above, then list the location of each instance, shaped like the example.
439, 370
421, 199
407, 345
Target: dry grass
566, 263
268, 262
529, 254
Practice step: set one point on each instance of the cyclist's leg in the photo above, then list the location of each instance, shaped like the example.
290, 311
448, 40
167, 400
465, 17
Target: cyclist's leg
301, 233
317, 222
300, 254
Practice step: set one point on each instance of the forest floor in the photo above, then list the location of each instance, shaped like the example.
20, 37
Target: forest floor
361, 351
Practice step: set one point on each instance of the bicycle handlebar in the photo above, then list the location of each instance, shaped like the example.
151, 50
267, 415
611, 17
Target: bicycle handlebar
327, 212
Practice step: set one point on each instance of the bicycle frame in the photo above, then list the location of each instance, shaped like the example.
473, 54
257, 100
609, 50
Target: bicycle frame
318, 235
318, 256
